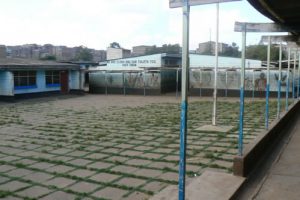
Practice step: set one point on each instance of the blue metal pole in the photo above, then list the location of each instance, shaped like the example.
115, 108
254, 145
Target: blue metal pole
241, 120
279, 81
184, 103
288, 81
294, 76
268, 83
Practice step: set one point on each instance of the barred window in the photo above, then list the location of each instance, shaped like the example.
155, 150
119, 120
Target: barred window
24, 79
52, 78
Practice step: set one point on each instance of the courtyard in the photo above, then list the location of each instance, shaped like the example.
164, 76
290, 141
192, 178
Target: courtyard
113, 147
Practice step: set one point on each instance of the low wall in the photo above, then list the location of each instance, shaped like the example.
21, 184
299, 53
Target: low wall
260, 148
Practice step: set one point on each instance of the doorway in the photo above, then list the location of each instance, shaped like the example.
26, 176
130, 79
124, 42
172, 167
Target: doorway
64, 82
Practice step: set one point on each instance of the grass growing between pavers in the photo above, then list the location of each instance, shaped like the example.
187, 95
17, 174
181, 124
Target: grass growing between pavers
48, 151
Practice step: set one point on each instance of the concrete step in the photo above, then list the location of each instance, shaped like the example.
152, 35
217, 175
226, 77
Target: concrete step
211, 185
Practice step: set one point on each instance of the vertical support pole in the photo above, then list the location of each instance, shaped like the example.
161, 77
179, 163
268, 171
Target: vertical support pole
144, 82
298, 86
177, 72
184, 103
200, 89
253, 85
106, 82
268, 83
294, 76
279, 81
288, 81
226, 82
214, 114
241, 120
124, 87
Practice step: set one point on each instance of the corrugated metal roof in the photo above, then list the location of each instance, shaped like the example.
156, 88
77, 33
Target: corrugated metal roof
284, 12
29, 64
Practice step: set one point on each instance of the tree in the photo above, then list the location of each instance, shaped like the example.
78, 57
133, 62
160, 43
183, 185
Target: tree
84, 54
259, 52
115, 45
231, 51
166, 48
48, 57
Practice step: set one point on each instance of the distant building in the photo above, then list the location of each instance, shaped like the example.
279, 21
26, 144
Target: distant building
2, 51
209, 48
116, 53
99, 55
140, 50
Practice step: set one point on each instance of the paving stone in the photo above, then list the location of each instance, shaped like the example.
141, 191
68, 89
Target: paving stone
169, 176
151, 173
38, 177
110, 193
143, 148
84, 187
138, 162
124, 169
19, 172
3, 179
62, 158
61, 151
78, 153
34, 192
137, 196
96, 156
155, 186
223, 163
42, 165
131, 153
104, 177
60, 182
5, 168
117, 159
13, 186
171, 158
99, 165
131, 182
111, 150
26, 161
10, 158
12, 198
163, 150
82, 173
79, 162
161, 165
59, 195
60, 169
152, 155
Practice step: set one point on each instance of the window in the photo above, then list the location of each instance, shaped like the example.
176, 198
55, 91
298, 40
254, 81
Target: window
52, 79
25, 79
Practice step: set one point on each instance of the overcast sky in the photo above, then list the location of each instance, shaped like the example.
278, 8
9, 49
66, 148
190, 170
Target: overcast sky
97, 23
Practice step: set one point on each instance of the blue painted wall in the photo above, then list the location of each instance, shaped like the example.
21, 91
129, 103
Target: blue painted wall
40, 83
74, 80
6, 83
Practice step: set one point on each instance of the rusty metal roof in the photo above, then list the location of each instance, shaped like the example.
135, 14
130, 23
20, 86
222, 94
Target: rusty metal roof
284, 12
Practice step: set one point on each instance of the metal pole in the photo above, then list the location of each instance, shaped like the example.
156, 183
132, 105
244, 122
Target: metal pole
294, 76
144, 77
184, 103
253, 85
214, 114
200, 89
124, 87
298, 86
279, 81
268, 83
177, 71
226, 82
241, 120
106, 82
288, 81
